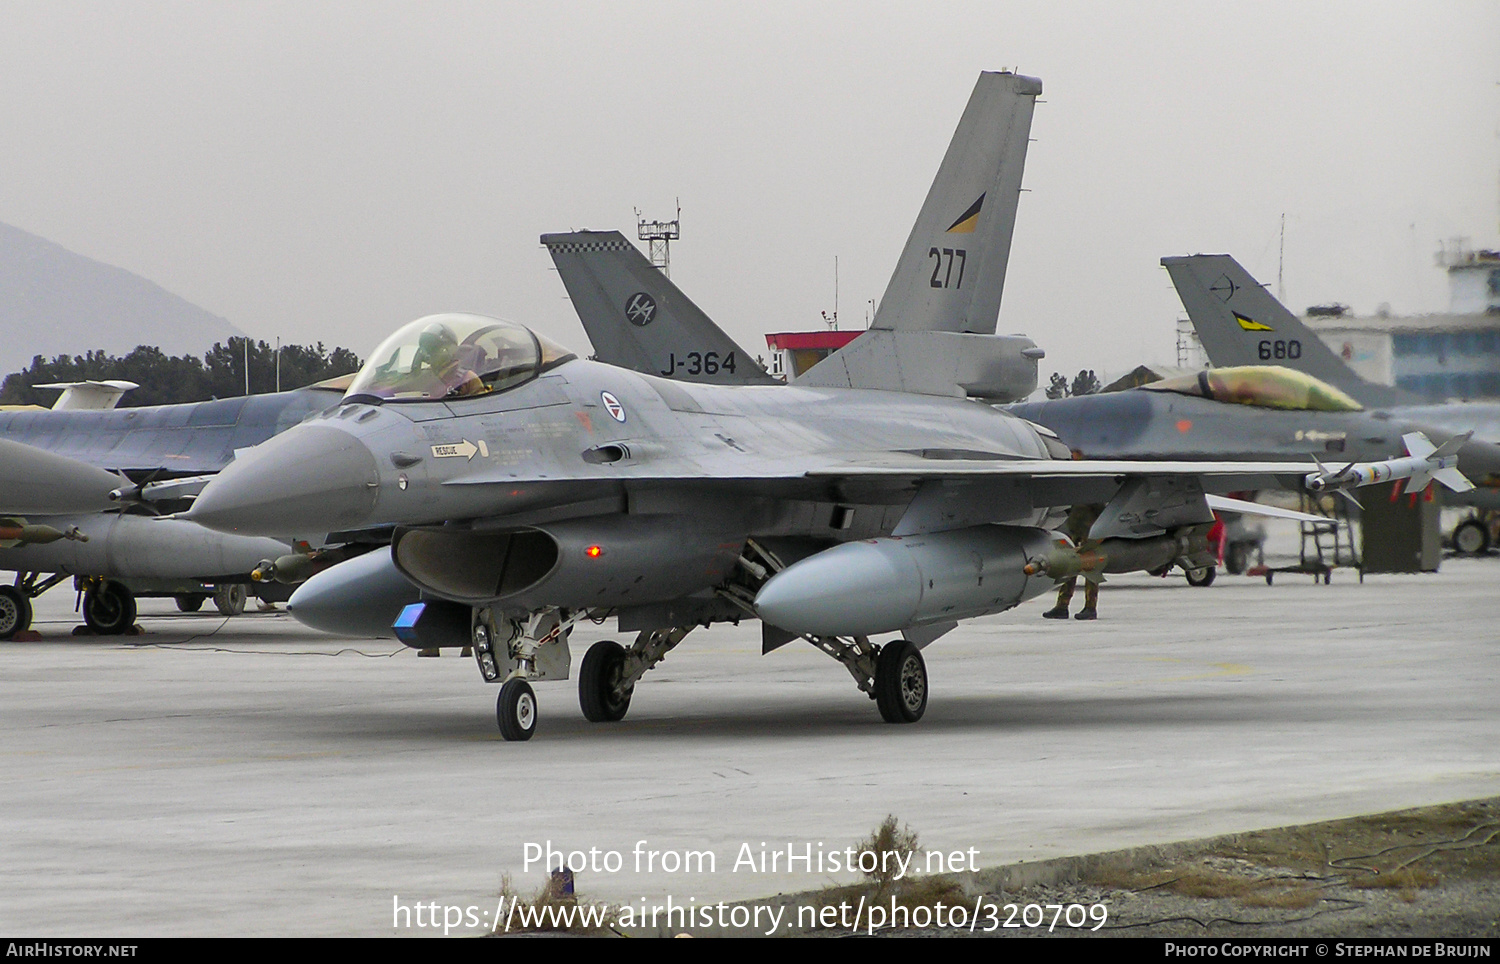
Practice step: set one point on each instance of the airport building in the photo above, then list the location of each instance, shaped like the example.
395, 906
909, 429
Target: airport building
1454, 355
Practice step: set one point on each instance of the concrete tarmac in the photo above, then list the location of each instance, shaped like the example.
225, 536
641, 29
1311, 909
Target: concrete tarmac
251, 777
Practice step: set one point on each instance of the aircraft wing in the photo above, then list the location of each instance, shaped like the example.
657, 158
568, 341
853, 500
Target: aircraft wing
904, 469
36, 482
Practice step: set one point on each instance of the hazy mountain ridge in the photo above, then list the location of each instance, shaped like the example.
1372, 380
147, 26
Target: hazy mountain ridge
54, 301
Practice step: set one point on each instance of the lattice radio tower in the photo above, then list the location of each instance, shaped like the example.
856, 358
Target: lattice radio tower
660, 234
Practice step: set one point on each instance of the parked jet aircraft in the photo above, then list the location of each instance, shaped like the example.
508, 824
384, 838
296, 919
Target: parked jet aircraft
1240, 323
132, 465
1241, 413
526, 489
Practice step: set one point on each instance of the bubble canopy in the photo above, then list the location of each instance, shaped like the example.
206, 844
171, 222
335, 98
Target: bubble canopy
1264, 386
455, 356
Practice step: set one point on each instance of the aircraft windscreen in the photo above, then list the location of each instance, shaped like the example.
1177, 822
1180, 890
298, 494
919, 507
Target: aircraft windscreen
455, 356
1264, 386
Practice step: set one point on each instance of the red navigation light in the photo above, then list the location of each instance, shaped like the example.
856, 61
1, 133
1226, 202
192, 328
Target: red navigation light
593, 552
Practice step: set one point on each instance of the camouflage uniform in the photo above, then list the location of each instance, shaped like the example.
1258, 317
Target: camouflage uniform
1080, 520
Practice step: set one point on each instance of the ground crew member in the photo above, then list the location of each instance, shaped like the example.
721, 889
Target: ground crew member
1080, 520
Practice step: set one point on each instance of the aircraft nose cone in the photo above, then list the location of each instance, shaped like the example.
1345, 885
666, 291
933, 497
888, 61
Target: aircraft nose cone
310, 479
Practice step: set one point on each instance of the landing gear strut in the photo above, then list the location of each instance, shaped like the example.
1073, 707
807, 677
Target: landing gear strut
536, 648
893, 675
15, 601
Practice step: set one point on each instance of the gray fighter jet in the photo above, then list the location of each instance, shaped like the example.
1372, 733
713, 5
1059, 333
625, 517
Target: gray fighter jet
1254, 412
525, 489
83, 488
1240, 323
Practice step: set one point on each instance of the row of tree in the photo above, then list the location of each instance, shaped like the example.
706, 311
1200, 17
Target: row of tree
1084, 383
168, 379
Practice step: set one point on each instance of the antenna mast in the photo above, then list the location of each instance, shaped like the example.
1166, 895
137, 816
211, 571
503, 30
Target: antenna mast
660, 234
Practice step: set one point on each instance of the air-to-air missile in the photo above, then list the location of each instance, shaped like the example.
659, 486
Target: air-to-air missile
1423, 464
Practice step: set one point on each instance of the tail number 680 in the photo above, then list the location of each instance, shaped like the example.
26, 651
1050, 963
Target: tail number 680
1280, 349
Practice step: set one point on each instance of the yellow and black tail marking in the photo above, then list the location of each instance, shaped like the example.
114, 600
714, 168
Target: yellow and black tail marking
966, 221
1250, 324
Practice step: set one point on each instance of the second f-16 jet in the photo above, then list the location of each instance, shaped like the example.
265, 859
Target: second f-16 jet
1239, 322
523, 488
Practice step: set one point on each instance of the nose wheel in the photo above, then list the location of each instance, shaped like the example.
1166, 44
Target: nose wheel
516, 710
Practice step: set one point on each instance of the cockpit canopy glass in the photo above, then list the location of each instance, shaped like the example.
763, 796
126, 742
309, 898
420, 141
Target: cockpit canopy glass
455, 356
1264, 386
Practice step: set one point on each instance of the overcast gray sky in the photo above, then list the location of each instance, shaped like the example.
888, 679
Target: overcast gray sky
332, 170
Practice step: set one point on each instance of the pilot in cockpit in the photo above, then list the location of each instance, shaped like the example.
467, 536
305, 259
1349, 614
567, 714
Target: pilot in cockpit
452, 364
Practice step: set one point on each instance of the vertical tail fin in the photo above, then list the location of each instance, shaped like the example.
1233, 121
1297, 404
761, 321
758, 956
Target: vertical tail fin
934, 332
952, 271
1240, 323
637, 318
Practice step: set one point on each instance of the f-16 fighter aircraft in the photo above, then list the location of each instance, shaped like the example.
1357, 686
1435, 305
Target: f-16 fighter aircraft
525, 488
84, 486
1240, 323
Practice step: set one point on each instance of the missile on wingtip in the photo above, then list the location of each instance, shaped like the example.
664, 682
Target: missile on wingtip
1423, 464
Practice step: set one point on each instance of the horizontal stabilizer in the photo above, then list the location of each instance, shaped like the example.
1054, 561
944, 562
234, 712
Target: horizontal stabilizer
92, 396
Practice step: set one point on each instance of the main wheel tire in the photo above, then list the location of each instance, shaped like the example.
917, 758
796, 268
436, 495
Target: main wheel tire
229, 599
598, 683
1201, 577
109, 609
516, 711
1237, 557
900, 682
190, 602
15, 612
1471, 537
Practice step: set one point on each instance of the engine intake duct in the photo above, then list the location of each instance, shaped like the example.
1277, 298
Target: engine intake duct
575, 564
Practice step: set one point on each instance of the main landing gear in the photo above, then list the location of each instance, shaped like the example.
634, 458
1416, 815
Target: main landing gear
900, 682
893, 675
15, 601
15, 612
108, 608
607, 679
